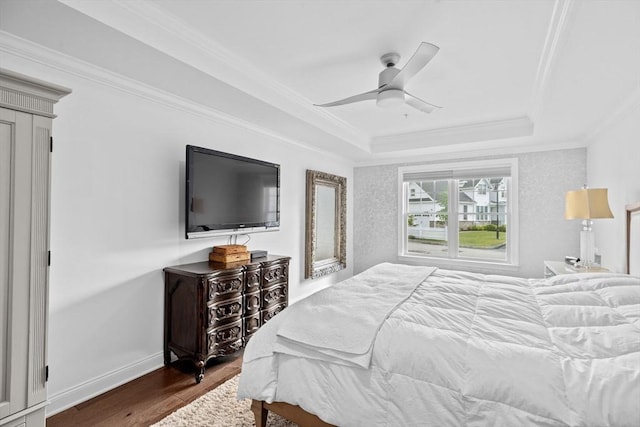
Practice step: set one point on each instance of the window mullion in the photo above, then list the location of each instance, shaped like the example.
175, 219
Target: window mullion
452, 231
404, 215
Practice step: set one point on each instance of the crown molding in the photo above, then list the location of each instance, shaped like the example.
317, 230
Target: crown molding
25, 49
469, 151
626, 108
556, 37
23, 93
472, 132
150, 24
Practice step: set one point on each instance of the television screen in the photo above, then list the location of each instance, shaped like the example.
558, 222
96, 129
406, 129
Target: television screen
229, 194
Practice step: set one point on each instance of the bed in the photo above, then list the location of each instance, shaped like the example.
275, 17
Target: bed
414, 346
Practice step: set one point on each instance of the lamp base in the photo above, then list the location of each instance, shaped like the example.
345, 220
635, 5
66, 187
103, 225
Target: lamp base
587, 248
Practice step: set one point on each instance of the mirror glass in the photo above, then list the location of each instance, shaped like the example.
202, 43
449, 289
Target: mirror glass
326, 224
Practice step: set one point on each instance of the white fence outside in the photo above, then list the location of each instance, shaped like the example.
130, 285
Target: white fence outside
432, 233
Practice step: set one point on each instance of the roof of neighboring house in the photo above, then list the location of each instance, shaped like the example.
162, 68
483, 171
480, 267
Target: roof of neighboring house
465, 198
493, 183
466, 191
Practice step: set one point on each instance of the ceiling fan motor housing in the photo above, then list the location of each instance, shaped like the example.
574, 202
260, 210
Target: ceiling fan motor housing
391, 96
386, 76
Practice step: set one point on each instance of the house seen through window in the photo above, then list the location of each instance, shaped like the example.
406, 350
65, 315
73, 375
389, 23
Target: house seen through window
463, 211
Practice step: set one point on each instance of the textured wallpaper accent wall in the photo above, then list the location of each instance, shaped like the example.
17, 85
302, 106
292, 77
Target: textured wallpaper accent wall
544, 177
375, 216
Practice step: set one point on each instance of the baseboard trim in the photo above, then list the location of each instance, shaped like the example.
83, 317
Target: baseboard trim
65, 399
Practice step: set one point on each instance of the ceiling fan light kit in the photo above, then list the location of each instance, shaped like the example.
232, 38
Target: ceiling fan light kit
391, 81
390, 98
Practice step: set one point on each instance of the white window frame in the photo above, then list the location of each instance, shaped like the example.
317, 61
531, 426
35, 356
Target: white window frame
512, 261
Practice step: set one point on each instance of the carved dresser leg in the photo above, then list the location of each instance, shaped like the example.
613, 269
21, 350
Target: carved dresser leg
259, 413
199, 371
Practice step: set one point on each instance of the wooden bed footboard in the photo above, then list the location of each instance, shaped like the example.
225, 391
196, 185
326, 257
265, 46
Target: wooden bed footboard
292, 413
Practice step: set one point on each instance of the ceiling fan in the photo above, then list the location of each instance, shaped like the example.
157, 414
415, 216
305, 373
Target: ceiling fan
391, 81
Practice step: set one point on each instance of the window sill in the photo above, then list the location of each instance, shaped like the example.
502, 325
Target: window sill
448, 263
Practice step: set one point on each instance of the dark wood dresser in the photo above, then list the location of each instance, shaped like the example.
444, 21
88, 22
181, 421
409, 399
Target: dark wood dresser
212, 309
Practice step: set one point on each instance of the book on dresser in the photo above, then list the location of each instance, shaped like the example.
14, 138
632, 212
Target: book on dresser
212, 309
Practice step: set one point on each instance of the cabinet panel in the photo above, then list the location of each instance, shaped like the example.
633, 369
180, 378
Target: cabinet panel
182, 295
20, 261
40, 158
6, 154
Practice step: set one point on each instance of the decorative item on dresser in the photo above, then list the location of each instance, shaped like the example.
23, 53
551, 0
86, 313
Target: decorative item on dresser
229, 253
212, 309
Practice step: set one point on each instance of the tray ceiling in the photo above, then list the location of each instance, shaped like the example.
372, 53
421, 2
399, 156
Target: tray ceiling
510, 75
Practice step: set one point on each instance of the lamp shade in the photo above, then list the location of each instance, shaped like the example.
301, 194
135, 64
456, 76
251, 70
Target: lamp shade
587, 203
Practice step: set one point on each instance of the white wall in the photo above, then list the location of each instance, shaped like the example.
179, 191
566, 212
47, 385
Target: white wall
543, 179
117, 220
613, 162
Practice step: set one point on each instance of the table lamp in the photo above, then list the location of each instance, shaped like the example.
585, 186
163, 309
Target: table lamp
587, 204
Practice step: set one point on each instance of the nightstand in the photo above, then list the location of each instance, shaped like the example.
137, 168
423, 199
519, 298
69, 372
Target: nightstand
553, 268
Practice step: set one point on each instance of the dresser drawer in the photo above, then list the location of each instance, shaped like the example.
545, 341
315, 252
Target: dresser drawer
224, 312
251, 324
267, 314
274, 273
252, 280
228, 348
222, 287
218, 337
251, 303
273, 295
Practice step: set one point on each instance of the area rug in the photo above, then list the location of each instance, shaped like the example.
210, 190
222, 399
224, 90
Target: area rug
219, 408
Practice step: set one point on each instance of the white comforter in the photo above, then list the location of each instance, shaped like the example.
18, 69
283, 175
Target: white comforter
473, 350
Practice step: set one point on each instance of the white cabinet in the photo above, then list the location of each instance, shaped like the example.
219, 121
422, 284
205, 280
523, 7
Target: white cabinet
26, 111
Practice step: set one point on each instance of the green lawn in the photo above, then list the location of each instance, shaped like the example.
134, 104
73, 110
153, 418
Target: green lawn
481, 239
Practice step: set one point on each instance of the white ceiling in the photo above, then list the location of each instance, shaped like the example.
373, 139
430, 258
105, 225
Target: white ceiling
510, 75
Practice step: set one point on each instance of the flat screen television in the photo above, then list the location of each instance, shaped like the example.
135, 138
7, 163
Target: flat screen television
229, 194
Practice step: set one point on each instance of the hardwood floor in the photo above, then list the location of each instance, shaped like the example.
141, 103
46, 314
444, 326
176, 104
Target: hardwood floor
148, 399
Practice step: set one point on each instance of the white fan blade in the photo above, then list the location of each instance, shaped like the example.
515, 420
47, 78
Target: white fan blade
419, 104
372, 94
422, 56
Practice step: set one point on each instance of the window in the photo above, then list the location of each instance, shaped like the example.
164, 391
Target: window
482, 211
468, 212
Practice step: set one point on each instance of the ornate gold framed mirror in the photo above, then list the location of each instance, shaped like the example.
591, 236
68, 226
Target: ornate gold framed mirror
326, 214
